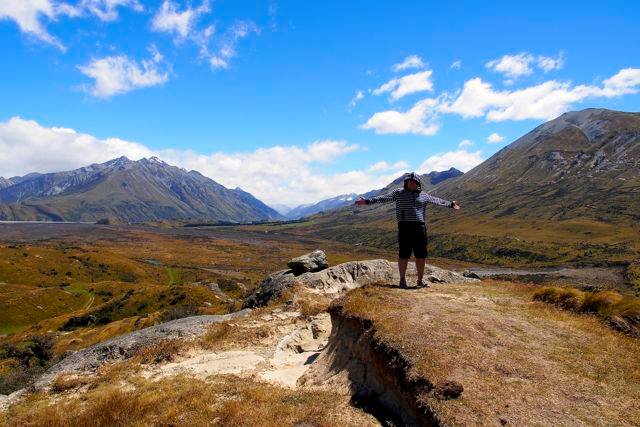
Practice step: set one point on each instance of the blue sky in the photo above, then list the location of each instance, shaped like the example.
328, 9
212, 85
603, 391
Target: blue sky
264, 95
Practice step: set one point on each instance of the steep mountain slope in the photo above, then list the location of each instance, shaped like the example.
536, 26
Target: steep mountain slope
429, 181
133, 191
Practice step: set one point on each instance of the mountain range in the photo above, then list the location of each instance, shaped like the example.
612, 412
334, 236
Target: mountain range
429, 181
131, 191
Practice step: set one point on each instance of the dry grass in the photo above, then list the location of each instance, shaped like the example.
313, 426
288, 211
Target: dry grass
66, 382
620, 311
223, 336
162, 351
223, 400
518, 360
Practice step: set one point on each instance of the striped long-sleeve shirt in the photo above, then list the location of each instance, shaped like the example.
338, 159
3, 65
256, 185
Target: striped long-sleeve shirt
410, 205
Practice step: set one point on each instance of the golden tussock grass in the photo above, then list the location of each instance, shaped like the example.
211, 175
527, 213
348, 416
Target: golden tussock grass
223, 400
620, 311
162, 351
223, 335
66, 382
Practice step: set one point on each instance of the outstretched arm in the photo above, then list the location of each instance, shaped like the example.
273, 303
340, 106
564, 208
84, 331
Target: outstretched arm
438, 201
380, 199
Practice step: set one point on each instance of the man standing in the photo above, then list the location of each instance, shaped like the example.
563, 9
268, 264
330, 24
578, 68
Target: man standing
412, 232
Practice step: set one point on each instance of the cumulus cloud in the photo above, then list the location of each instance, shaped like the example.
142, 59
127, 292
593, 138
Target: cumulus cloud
521, 64
385, 166
412, 83
279, 174
412, 61
478, 98
495, 138
512, 66
460, 159
544, 101
421, 119
116, 75
465, 143
170, 19
26, 146
29, 14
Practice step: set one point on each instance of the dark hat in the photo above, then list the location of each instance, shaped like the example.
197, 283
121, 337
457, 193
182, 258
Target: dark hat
413, 176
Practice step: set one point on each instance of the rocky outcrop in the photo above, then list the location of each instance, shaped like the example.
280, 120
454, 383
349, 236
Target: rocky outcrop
314, 261
332, 281
125, 346
340, 278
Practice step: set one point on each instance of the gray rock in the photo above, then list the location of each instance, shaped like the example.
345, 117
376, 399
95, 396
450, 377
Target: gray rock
125, 346
314, 261
333, 280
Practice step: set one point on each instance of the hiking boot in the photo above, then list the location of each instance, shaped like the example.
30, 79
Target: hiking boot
422, 284
403, 284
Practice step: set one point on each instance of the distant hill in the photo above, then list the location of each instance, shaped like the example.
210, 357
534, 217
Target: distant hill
429, 180
133, 191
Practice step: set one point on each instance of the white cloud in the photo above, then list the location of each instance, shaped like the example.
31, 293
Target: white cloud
465, 143
544, 101
359, 96
512, 66
518, 65
385, 166
456, 65
227, 48
412, 61
495, 138
547, 64
29, 13
461, 159
279, 174
406, 85
116, 75
626, 81
170, 19
421, 119
26, 146
107, 10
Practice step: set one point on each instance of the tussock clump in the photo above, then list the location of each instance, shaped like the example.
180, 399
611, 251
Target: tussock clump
620, 311
163, 351
66, 382
221, 335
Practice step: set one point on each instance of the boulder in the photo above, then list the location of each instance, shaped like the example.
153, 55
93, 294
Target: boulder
313, 261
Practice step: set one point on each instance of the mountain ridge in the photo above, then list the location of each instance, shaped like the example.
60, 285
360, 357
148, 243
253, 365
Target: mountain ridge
132, 191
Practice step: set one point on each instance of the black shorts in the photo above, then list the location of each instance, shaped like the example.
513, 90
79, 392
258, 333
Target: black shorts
412, 236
